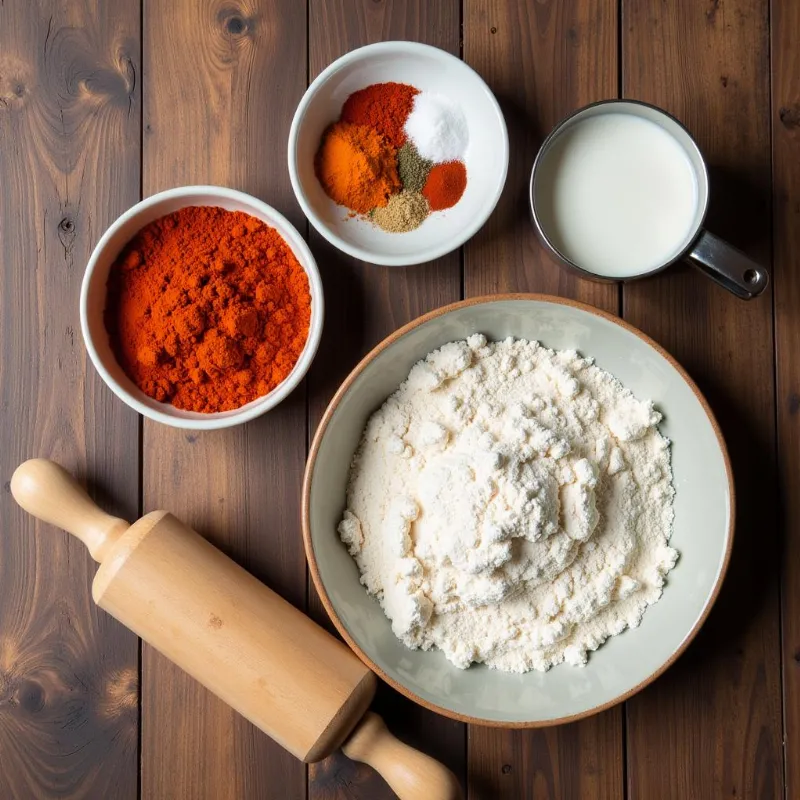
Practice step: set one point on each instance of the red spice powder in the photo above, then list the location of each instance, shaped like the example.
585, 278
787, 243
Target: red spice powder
383, 106
207, 309
445, 185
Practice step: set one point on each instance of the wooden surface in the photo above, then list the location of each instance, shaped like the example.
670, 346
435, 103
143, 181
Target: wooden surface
725, 694
785, 118
70, 100
105, 101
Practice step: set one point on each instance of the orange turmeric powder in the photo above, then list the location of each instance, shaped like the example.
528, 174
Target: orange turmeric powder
207, 309
357, 167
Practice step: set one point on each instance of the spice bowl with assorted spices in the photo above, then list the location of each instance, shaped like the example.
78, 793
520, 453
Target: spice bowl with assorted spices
202, 307
398, 153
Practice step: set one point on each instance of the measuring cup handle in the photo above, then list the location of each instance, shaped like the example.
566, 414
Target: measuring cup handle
729, 267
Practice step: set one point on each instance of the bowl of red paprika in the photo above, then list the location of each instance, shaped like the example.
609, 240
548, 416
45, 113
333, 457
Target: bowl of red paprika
336, 163
201, 307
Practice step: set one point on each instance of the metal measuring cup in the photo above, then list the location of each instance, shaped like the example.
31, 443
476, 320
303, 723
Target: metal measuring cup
714, 257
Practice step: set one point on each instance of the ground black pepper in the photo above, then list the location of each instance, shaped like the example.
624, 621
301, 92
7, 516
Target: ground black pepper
412, 168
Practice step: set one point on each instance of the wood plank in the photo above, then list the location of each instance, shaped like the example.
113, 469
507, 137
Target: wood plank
222, 82
542, 60
364, 303
712, 725
69, 164
785, 21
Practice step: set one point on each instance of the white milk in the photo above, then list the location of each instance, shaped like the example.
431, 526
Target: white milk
617, 195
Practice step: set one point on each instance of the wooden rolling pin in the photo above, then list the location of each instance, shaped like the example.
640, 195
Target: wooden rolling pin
262, 656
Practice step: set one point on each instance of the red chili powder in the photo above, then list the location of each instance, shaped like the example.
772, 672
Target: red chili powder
445, 185
207, 309
383, 106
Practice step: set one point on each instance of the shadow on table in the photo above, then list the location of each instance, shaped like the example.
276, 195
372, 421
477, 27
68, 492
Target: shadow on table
752, 577
342, 340
739, 209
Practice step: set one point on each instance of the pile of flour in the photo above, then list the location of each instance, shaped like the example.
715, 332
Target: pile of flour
511, 505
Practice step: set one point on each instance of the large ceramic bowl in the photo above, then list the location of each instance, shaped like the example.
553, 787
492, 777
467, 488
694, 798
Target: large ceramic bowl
703, 530
429, 69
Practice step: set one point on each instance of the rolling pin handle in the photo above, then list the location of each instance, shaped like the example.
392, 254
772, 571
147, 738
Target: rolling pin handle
411, 774
48, 492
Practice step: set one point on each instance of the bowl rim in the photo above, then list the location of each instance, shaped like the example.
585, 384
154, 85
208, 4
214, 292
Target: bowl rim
259, 406
320, 433
388, 260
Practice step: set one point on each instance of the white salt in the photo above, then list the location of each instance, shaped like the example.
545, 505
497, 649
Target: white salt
438, 128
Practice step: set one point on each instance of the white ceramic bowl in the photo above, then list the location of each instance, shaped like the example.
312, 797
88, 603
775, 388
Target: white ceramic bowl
93, 300
428, 69
703, 530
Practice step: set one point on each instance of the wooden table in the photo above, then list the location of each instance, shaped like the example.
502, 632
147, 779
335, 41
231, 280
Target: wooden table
103, 102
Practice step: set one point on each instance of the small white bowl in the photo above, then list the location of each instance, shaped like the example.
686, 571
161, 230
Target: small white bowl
93, 300
428, 69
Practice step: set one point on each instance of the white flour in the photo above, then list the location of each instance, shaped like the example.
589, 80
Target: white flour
511, 505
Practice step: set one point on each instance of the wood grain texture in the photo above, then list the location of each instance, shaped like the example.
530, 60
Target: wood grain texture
711, 727
69, 163
364, 303
542, 60
785, 22
222, 80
